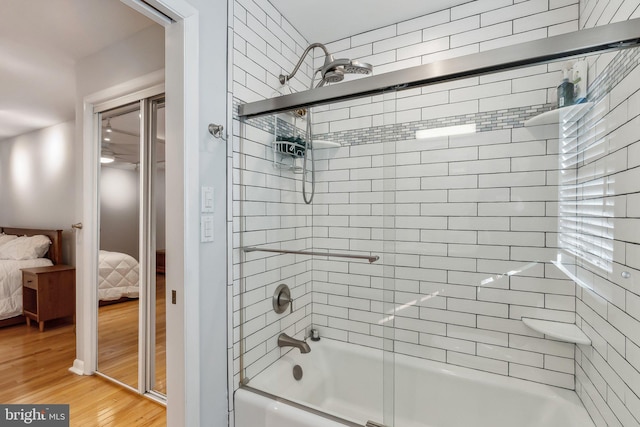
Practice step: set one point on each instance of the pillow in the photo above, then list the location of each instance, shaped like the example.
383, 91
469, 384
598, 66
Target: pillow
24, 247
4, 238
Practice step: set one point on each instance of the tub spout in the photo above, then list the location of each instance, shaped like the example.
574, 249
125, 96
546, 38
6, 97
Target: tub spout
285, 340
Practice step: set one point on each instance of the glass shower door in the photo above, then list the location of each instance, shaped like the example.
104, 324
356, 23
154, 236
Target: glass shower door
495, 212
337, 291
389, 258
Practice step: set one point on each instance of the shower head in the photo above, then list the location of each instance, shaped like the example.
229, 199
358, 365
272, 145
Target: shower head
333, 71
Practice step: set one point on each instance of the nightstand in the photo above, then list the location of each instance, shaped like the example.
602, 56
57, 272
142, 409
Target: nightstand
48, 293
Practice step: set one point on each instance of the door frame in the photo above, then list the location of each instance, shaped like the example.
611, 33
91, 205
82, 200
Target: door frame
181, 78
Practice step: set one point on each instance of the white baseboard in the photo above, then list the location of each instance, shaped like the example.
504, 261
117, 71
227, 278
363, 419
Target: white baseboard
78, 367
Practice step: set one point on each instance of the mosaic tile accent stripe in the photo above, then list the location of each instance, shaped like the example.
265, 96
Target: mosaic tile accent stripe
485, 122
622, 64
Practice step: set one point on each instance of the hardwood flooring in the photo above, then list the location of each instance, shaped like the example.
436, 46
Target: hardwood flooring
34, 370
118, 340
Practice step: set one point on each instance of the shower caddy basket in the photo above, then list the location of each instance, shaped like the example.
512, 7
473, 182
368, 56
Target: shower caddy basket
286, 149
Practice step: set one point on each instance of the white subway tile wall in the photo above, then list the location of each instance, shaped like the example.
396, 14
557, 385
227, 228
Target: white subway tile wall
466, 225
266, 210
607, 372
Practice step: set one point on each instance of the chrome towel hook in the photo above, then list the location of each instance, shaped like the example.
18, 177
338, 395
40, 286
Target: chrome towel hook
216, 131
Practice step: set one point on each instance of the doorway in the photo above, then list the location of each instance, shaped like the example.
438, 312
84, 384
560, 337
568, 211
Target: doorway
131, 338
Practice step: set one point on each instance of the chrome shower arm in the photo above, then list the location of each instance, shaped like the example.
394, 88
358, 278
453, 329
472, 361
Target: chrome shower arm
327, 58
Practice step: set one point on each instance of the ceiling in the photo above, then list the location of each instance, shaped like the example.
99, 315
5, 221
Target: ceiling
330, 20
42, 40
40, 43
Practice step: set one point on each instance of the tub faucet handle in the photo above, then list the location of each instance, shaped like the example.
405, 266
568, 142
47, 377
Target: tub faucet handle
286, 299
282, 299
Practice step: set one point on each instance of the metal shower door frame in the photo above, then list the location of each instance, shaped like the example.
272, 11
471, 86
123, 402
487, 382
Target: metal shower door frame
599, 39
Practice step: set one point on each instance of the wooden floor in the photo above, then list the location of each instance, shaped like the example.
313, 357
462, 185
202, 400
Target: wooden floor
34, 370
118, 340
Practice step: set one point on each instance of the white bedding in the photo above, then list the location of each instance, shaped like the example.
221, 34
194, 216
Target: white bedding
118, 276
11, 284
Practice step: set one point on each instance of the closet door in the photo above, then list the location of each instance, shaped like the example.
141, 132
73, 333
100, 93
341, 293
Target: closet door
131, 347
119, 273
157, 372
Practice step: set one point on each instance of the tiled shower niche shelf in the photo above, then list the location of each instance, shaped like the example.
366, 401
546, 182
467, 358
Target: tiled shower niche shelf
572, 113
568, 332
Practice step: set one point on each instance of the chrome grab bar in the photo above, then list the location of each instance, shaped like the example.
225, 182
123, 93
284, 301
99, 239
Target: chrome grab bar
370, 258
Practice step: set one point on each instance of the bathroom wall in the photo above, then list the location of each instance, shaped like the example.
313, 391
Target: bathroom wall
482, 231
476, 26
474, 222
607, 372
466, 29
266, 200
475, 216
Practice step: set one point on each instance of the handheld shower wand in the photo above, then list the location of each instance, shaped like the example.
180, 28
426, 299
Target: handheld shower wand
332, 71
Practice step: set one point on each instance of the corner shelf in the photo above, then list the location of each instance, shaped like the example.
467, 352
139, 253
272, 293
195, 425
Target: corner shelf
571, 113
568, 332
322, 144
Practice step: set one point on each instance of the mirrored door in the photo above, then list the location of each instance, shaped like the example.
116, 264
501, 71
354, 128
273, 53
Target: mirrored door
119, 254
131, 344
158, 345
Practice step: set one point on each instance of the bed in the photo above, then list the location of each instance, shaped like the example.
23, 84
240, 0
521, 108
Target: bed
118, 276
11, 274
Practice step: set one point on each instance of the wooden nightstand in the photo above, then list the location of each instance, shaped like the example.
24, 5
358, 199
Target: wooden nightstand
48, 293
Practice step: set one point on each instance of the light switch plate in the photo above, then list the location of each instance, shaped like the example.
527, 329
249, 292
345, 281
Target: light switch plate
206, 228
207, 200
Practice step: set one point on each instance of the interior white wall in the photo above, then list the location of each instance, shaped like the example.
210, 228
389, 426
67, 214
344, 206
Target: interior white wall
135, 56
196, 96
210, 154
37, 177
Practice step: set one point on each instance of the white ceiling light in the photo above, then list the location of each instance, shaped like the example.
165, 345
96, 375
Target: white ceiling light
106, 159
109, 128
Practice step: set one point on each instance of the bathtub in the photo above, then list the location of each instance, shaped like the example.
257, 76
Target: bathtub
345, 382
